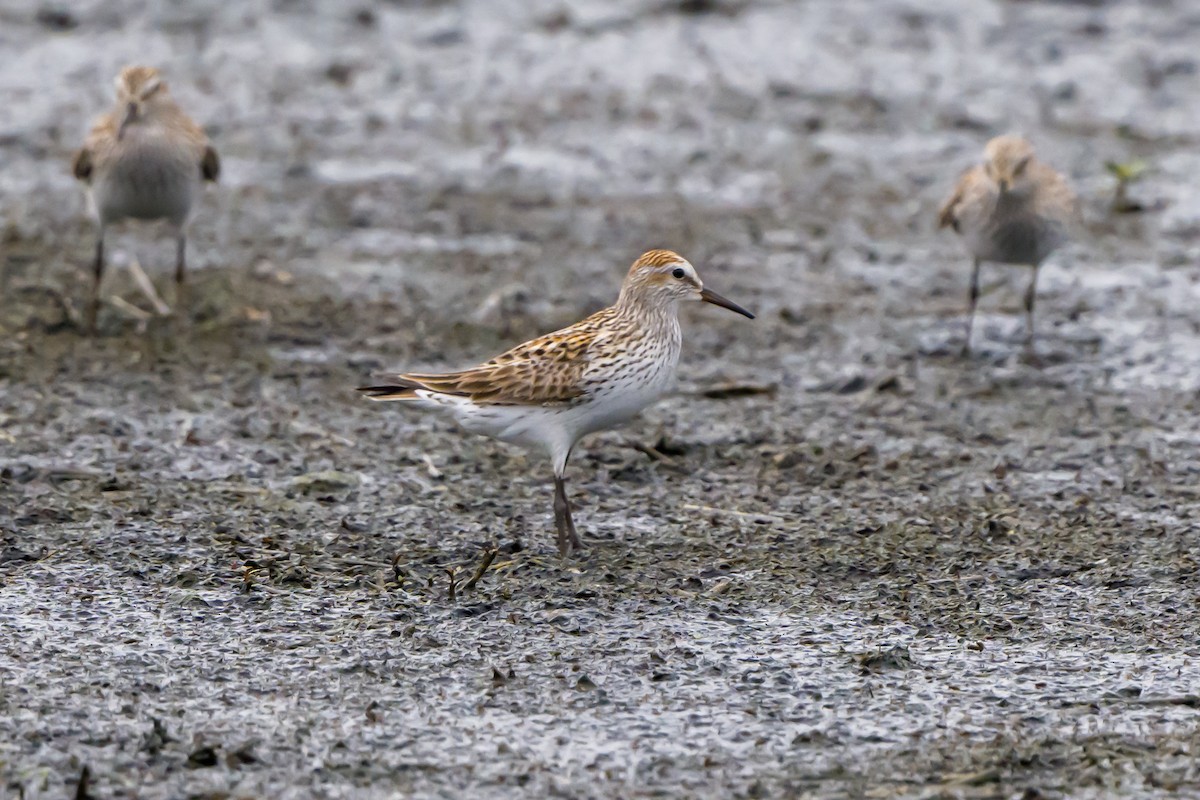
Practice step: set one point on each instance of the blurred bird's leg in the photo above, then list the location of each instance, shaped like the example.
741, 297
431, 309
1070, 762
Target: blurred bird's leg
1030, 296
180, 270
93, 304
972, 300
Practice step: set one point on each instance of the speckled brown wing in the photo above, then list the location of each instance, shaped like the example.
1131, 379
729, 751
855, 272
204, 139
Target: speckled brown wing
81, 165
210, 164
96, 148
548, 370
971, 195
193, 136
1055, 200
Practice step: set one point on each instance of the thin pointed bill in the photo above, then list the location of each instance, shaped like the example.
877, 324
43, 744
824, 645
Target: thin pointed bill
709, 296
130, 114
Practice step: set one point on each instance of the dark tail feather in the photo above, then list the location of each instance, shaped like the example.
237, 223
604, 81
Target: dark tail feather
400, 388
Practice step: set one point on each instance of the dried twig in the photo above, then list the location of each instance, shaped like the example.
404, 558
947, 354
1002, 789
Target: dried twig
129, 309
727, 391
649, 451
1188, 700
488, 558
430, 468
735, 513
70, 313
147, 288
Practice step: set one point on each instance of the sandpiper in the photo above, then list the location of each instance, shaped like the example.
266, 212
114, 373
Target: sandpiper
147, 160
1011, 209
554, 390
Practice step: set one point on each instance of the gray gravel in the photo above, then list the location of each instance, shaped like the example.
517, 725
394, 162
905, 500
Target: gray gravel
861, 567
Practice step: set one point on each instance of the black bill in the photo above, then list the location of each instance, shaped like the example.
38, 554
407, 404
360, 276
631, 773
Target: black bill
709, 296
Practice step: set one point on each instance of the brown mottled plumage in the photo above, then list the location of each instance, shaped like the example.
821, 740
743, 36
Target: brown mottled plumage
545, 370
1011, 209
552, 391
146, 159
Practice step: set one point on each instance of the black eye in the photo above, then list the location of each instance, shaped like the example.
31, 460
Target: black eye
678, 272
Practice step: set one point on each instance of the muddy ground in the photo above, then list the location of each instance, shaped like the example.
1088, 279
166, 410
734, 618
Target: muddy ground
841, 562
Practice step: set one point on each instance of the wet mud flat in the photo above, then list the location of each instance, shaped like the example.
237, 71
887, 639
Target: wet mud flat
840, 562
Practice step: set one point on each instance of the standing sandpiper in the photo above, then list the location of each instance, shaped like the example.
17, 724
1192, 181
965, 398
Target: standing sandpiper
554, 390
1011, 209
147, 160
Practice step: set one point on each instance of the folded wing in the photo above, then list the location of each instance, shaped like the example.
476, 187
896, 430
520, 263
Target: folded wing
545, 371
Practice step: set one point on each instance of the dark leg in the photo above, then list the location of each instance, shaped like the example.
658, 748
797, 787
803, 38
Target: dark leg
97, 275
568, 539
560, 516
1030, 294
972, 299
571, 533
180, 272
180, 260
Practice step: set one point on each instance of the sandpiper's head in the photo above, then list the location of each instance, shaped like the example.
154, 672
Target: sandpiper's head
139, 92
661, 278
1005, 159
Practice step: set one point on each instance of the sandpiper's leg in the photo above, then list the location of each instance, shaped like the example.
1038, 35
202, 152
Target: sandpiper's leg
568, 538
1030, 294
571, 533
562, 512
97, 275
972, 299
180, 267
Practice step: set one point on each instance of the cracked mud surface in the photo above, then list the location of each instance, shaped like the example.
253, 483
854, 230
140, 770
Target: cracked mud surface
840, 562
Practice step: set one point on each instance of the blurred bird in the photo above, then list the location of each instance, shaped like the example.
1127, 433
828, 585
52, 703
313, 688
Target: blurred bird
554, 390
147, 160
1011, 209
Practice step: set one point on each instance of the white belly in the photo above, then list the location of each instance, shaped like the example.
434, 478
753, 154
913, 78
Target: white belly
616, 406
557, 428
615, 389
150, 181
1026, 240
